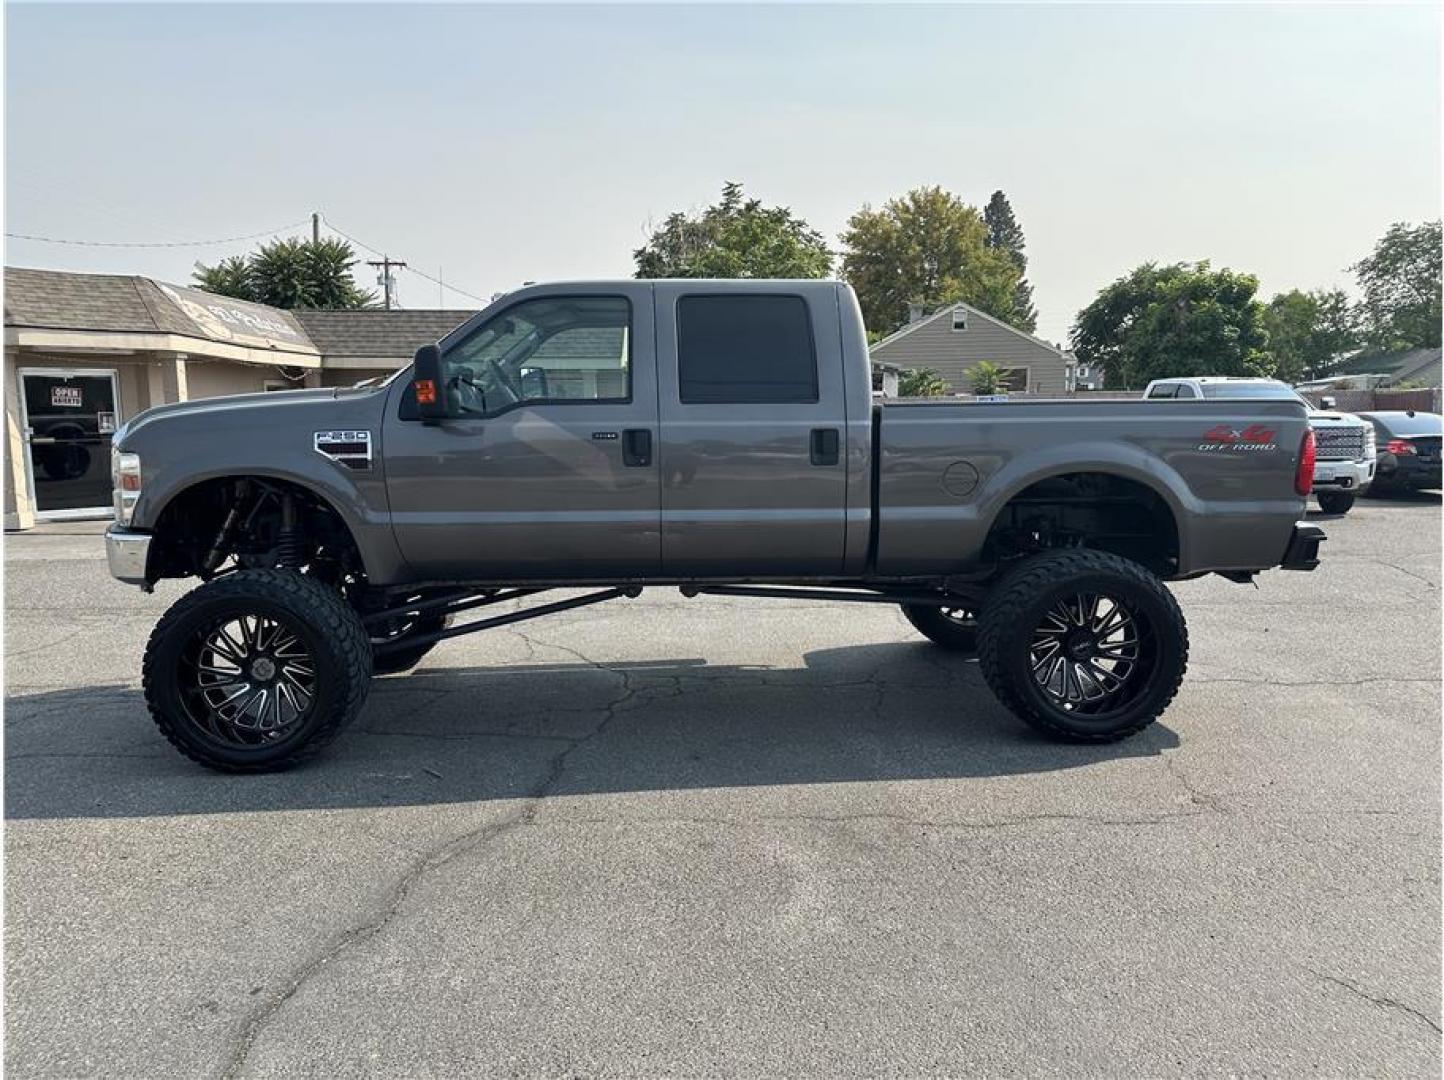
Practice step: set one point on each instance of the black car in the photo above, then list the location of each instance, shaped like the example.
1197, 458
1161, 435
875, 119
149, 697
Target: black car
1408, 450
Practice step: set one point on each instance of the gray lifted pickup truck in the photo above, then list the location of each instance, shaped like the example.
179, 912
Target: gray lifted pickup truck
716, 436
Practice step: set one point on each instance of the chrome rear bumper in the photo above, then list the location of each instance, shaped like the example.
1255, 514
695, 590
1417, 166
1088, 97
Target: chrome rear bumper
127, 553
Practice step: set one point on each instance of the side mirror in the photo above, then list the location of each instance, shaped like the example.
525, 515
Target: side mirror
427, 382
1329, 402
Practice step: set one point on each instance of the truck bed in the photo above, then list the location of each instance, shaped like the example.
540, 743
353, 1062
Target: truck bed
949, 467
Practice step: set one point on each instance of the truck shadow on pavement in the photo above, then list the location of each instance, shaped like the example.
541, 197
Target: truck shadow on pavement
885, 712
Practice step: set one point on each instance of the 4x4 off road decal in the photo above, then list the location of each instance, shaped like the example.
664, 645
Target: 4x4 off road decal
1232, 440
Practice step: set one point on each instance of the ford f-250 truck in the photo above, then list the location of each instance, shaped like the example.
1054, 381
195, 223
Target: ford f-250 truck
716, 436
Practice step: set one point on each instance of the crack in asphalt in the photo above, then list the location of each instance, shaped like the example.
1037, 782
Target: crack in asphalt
108, 755
1009, 822
1433, 586
864, 817
15, 654
1196, 796
427, 863
465, 736
1377, 999
1319, 682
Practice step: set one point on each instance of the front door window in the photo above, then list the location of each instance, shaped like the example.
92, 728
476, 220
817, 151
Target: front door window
559, 349
70, 419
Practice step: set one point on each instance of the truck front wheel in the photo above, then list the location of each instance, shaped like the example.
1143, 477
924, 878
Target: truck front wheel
256, 670
1083, 645
953, 628
1334, 502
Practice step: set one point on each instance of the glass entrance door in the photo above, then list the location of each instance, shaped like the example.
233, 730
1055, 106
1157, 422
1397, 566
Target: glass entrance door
69, 419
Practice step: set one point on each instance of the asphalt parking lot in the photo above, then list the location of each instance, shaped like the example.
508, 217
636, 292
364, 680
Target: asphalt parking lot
705, 837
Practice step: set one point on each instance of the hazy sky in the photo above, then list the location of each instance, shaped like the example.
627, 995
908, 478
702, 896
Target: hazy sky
500, 144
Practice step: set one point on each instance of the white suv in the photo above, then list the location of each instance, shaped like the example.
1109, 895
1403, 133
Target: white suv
1345, 443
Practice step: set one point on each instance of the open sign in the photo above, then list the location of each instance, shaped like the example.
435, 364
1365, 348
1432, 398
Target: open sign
65, 397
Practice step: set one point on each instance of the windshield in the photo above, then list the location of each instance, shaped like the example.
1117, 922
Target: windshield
1256, 391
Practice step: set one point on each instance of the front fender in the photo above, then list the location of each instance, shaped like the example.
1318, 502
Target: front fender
239, 437
369, 524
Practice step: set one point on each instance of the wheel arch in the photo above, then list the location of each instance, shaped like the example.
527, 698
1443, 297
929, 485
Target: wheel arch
1143, 472
162, 513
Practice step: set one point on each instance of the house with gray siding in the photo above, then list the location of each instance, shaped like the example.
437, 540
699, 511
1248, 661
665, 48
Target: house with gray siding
956, 338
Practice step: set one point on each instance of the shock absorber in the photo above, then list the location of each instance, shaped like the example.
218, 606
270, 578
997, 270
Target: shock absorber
289, 550
220, 548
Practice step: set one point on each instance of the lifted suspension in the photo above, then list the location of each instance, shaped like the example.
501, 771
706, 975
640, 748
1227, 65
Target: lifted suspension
448, 605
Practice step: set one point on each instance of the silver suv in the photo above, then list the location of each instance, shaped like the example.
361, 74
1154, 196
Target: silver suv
1345, 452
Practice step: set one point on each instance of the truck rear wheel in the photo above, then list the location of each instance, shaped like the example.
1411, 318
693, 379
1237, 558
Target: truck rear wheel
257, 670
1083, 645
953, 628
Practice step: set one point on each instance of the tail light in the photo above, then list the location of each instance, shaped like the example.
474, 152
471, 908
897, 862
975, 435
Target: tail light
1401, 447
1308, 454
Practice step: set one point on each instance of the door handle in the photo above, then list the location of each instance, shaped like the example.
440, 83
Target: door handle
825, 445
637, 447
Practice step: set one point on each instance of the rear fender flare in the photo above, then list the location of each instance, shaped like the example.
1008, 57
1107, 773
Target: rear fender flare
1113, 458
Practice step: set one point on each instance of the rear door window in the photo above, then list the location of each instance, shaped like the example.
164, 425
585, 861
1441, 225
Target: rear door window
745, 350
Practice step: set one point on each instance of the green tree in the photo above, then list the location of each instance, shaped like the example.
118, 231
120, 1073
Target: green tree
290, 273
1164, 321
1401, 286
1005, 234
929, 247
229, 277
921, 382
986, 377
1310, 332
737, 237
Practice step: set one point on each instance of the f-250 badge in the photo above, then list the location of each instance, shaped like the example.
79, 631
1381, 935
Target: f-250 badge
1231, 440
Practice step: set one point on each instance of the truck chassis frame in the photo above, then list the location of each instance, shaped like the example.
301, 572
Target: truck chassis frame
461, 600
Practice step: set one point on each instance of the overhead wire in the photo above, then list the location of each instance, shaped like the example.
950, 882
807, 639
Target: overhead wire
419, 273
36, 238
152, 244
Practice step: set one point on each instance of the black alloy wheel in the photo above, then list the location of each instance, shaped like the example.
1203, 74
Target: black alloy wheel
246, 679
1090, 653
954, 628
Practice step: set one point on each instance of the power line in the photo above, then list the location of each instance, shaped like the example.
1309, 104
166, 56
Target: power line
157, 244
412, 269
437, 281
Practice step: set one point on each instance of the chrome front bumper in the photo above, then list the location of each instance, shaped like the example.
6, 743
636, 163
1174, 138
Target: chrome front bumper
126, 553
1345, 475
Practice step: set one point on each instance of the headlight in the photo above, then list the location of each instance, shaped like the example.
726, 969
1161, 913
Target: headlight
1370, 442
125, 476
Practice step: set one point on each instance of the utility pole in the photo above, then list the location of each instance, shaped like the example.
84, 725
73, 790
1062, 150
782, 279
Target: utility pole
386, 263
315, 227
